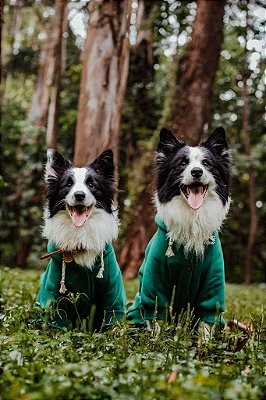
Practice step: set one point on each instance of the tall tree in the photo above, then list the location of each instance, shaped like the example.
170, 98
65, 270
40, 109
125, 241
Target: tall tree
136, 165
59, 50
13, 33
103, 80
190, 95
195, 73
43, 111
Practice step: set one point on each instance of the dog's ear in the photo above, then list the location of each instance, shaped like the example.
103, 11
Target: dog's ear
56, 164
168, 145
217, 142
104, 164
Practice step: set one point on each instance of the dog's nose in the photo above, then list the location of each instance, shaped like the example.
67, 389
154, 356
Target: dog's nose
79, 196
196, 172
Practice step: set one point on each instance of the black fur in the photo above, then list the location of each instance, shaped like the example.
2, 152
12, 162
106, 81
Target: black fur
217, 161
100, 180
172, 158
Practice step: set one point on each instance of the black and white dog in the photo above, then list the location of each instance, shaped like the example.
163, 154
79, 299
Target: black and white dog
184, 257
79, 211
193, 188
80, 223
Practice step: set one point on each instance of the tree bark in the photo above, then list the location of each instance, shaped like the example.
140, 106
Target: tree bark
103, 79
45, 100
190, 108
253, 222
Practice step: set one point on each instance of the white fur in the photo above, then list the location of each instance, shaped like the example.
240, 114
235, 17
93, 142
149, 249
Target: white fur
188, 227
195, 160
100, 229
49, 171
79, 185
192, 228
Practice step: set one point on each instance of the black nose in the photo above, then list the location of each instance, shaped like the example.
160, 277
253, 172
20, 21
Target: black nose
79, 196
196, 172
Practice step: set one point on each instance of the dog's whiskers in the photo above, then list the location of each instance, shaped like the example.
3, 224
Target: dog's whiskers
99, 204
176, 182
60, 203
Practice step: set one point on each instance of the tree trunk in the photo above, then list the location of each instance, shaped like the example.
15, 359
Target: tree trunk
103, 79
190, 108
59, 54
251, 187
138, 233
13, 34
1, 22
23, 253
45, 99
141, 76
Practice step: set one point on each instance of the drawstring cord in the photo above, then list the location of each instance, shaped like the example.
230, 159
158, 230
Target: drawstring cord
67, 258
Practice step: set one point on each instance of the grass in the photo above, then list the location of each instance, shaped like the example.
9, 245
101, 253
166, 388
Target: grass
40, 363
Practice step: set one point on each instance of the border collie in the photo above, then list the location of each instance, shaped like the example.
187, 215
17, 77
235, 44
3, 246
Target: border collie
80, 224
193, 184
183, 261
79, 215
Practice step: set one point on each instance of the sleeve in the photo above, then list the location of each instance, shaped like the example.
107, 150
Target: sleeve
211, 300
115, 296
155, 291
50, 280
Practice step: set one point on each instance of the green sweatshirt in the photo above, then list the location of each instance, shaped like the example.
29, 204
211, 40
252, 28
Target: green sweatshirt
199, 283
107, 294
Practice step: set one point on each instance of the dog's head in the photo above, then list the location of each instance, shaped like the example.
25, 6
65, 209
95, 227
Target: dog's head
194, 173
79, 191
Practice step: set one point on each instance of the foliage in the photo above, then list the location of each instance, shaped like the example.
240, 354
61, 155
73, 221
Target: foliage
239, 58
39, 362
22, 162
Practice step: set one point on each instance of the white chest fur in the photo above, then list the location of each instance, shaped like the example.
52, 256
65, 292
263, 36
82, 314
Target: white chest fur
99, 230
192, 228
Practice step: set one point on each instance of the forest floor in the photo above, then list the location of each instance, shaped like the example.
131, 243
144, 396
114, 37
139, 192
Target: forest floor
40, 362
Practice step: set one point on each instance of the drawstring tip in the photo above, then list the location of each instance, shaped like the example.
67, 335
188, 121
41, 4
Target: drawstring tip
63, 288
170, 252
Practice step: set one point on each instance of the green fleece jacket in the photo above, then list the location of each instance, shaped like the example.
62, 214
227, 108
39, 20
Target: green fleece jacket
107, 294
199, 283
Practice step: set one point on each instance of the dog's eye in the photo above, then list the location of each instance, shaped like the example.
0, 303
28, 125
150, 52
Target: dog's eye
205, 162
89, 183
183, 163
69, 183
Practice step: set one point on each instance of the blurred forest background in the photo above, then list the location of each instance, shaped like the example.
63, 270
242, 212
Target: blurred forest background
84, 76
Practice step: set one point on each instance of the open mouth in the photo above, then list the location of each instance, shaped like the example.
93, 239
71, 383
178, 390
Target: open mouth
79, 214
195, 194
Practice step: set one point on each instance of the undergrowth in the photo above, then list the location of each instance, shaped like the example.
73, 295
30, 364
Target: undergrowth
39, 362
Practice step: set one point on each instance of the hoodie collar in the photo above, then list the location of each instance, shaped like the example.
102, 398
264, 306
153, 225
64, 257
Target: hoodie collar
160, 223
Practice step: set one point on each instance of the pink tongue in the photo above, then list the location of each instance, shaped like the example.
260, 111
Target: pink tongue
195, 199
78, 219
